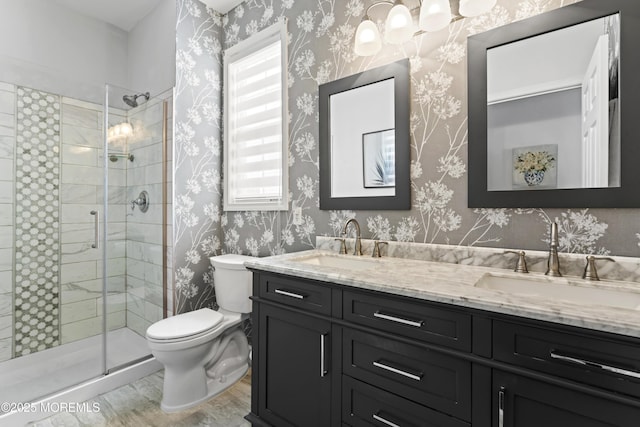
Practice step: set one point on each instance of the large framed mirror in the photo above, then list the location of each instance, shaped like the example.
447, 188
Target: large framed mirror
552, 109
364, 140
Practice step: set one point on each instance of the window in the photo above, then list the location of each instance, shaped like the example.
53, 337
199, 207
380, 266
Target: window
256, 132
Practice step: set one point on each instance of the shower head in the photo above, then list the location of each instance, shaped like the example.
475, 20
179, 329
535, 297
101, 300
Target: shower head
132, 100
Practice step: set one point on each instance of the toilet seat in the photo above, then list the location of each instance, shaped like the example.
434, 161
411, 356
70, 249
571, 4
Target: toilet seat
185, 326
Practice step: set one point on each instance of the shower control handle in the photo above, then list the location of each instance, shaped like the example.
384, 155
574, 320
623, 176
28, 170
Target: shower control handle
142, 202
96, 236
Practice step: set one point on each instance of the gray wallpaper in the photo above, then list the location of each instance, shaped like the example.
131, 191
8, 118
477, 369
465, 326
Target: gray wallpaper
320, 50
197, 164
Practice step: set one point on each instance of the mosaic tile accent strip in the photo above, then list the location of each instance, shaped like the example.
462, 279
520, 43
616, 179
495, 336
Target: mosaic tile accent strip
37, 243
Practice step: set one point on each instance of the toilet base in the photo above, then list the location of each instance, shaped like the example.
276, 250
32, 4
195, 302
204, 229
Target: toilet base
214, 387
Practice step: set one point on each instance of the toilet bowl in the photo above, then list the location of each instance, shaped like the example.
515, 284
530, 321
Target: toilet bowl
204, 352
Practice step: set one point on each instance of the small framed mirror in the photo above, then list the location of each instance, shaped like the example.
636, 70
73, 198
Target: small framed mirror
364, 140
551, 107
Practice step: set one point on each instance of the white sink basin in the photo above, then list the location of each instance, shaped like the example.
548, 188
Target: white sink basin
560, 289
345, 262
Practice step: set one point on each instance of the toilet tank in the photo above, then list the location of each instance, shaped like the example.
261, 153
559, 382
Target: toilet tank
232, 282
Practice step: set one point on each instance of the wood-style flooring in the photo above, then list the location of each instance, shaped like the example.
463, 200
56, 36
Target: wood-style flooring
138, 405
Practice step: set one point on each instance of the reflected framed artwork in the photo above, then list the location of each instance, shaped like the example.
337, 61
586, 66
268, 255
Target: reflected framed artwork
378, 159
535, 167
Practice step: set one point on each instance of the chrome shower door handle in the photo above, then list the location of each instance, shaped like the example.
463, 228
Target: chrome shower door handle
96, 236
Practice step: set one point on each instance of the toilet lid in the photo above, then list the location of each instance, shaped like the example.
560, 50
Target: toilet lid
185, 325
230, 261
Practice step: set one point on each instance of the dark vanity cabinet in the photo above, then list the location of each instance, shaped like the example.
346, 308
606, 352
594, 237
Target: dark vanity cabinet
526, 402
331, 355
563, 376
291, 357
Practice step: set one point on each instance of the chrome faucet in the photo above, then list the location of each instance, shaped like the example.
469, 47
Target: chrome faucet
553, 263
357, 250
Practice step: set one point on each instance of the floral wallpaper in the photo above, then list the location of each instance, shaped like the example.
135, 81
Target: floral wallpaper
321, 34
197, 164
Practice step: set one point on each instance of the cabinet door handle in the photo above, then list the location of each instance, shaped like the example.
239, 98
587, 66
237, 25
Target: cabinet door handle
386, 367
323, 351
583, 362
384, 421
501, 407
96, 235
416, 323
289, 294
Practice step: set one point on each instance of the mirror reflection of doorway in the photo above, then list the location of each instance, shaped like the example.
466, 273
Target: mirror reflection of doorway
557, 88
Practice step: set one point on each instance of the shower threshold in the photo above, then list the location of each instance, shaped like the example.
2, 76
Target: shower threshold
75, 368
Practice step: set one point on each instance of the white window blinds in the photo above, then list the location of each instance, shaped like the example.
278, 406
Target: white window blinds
256, 132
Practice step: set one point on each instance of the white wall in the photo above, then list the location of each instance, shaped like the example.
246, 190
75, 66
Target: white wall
152, 51
538, 120
549, 61
49, 47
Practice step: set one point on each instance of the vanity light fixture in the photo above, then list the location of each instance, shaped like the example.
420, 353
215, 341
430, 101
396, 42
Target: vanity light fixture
399, 25
434, 15
471, 8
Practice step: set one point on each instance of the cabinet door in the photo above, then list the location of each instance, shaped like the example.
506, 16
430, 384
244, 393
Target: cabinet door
294, 370
523, 402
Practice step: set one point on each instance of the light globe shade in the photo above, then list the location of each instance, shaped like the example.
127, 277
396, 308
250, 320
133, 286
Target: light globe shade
398, 27
476, 7
368, 40
435, 15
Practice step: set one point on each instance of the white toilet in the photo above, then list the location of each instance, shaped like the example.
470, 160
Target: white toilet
205, 351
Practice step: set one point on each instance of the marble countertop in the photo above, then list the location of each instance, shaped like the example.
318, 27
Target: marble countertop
455, 284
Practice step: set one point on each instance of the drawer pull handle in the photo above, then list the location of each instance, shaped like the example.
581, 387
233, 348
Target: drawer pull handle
416, 377
289, 294
583, 362
415, 323
501, 407
384, 421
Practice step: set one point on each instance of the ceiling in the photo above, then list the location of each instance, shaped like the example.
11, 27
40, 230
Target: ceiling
125, 14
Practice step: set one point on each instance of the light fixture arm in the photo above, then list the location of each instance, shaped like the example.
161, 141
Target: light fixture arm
378, 3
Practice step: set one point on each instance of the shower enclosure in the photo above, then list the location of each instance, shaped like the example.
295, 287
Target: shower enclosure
84, 214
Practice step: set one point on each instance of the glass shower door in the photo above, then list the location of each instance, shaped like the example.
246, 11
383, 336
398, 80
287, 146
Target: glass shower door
50, 297
137, 162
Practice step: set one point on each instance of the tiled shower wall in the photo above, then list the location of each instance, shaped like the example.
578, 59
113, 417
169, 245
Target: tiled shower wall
7, 183
37, 222
144, 230
56, 143
82, 183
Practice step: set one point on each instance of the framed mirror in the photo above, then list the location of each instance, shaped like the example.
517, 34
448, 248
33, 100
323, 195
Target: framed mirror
364, 140
552, 107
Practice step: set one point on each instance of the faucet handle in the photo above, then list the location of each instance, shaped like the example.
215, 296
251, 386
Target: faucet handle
521, 264
343, 244
590, 270
376, 248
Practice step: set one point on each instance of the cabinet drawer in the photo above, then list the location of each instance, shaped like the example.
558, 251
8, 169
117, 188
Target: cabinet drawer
365, 405
296, 293
600, 361
426, 377
526, 402
422, 321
